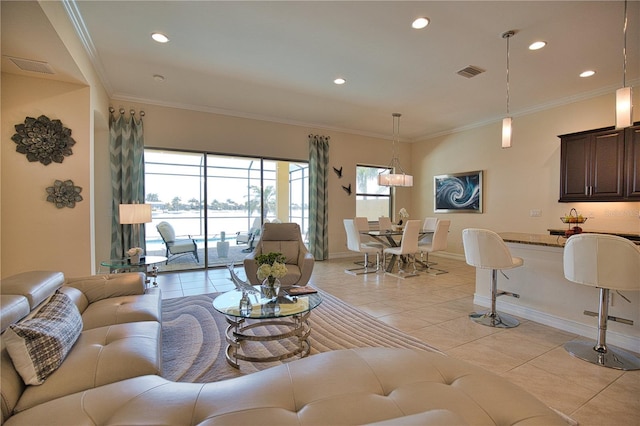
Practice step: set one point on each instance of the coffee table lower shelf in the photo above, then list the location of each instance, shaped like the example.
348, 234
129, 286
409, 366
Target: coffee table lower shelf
295, 326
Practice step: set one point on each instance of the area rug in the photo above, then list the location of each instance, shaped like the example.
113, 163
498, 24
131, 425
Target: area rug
194, 343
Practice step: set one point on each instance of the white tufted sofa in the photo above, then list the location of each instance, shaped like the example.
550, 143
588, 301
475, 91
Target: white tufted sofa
382, 386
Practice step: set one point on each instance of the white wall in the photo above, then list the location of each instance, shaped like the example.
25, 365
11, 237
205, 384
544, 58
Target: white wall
35, 234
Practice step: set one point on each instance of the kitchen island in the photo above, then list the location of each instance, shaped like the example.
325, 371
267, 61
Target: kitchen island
548, 298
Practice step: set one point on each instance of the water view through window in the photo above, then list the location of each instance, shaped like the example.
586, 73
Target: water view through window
220, 202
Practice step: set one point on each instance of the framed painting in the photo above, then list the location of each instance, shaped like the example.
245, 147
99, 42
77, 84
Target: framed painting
458, 192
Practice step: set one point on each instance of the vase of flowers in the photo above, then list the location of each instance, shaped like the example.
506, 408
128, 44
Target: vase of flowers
271, 268
134, 255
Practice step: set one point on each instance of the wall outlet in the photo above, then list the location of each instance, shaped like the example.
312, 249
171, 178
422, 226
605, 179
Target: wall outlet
535, 213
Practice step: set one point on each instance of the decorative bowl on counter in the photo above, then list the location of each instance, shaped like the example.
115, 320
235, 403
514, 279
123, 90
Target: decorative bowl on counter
572, 219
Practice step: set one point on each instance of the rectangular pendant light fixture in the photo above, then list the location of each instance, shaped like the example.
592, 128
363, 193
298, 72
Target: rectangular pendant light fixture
624, 108
506, 132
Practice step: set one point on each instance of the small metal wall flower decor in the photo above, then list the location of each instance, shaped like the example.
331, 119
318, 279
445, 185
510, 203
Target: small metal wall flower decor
43, 140
64, 194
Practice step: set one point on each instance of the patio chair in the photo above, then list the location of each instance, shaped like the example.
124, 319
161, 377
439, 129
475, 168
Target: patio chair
176, 248
251, 237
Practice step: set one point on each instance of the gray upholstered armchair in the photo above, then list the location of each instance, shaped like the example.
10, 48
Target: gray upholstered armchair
284, 238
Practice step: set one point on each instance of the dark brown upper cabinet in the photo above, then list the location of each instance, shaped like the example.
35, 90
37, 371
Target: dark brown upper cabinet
632, 163
600, 165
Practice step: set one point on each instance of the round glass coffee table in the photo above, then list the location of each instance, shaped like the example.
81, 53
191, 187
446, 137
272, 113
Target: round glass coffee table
286, 317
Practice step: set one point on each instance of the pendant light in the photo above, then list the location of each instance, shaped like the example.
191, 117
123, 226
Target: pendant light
506, 122
624, 107
396, 175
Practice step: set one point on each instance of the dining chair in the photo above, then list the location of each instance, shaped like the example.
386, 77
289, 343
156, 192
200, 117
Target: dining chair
384, 223
438, 243
429, 225
408, 247
362, 226
354, 244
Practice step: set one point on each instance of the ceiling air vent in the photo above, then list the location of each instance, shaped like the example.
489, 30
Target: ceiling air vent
33, 66
470, 71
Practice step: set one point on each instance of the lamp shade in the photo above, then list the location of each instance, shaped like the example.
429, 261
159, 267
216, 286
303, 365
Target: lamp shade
135, 213
395, 179
506, 132
624, 108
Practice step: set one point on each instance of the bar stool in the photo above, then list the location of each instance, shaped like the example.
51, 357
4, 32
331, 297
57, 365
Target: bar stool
486, 250
607, 262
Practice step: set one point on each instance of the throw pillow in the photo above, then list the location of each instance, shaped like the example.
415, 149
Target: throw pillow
38, 346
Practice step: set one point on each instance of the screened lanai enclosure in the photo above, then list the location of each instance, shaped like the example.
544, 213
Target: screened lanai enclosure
219, 202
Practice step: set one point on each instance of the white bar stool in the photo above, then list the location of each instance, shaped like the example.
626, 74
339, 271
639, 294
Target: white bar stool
486, 250
607, 262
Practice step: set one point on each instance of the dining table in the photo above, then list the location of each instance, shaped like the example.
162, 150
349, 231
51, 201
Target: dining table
393, 238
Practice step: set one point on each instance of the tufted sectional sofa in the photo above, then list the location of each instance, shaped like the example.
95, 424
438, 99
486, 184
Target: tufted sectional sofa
102, 382
120, 334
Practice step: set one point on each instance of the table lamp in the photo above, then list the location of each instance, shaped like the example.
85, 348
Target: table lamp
135, 214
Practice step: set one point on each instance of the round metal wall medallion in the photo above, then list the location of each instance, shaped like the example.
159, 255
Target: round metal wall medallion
43, 140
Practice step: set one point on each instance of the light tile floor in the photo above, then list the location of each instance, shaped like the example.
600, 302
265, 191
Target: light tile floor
435, 309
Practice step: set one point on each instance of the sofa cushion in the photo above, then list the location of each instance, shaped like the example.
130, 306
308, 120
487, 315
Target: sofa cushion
37, 346
36, 286
100, 356
124, 309
13, 308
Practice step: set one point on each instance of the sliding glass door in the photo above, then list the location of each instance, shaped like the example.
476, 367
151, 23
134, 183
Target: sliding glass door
220, 202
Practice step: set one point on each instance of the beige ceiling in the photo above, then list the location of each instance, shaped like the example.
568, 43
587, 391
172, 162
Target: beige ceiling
276, 60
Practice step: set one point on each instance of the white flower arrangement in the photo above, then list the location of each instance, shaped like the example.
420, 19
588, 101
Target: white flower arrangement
271, 266
277, 270
135, 251
403, 213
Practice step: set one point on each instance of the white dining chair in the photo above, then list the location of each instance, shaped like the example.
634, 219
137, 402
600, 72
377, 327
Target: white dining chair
438, 243
384, 223
429, 225
408, 247
354, 244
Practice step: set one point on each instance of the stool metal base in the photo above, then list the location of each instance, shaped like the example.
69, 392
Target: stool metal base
612, 357
494, 319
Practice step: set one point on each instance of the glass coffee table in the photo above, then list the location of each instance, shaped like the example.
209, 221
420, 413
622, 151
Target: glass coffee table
286, 317
147, 264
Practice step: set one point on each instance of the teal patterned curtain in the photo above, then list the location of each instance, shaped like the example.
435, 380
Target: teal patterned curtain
318, 196
126, 147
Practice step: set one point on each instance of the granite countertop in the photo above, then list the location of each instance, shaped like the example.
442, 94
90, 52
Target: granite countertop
533, 239
633, 236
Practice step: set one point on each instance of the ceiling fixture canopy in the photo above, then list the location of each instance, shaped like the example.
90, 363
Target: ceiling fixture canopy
506, 122
396, 175
624, 106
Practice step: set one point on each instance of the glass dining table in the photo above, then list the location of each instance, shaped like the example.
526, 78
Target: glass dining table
393, 238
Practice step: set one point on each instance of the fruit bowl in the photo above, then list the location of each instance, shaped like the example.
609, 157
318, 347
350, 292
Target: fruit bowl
573, 219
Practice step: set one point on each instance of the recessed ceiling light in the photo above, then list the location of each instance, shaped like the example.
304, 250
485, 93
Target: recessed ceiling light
159, 37
158, 77
537, 45
420, 23
587, 73
339, 81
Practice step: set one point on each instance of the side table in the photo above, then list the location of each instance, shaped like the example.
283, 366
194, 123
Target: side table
147, 264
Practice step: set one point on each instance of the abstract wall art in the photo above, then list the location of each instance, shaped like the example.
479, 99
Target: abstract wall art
458, 192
